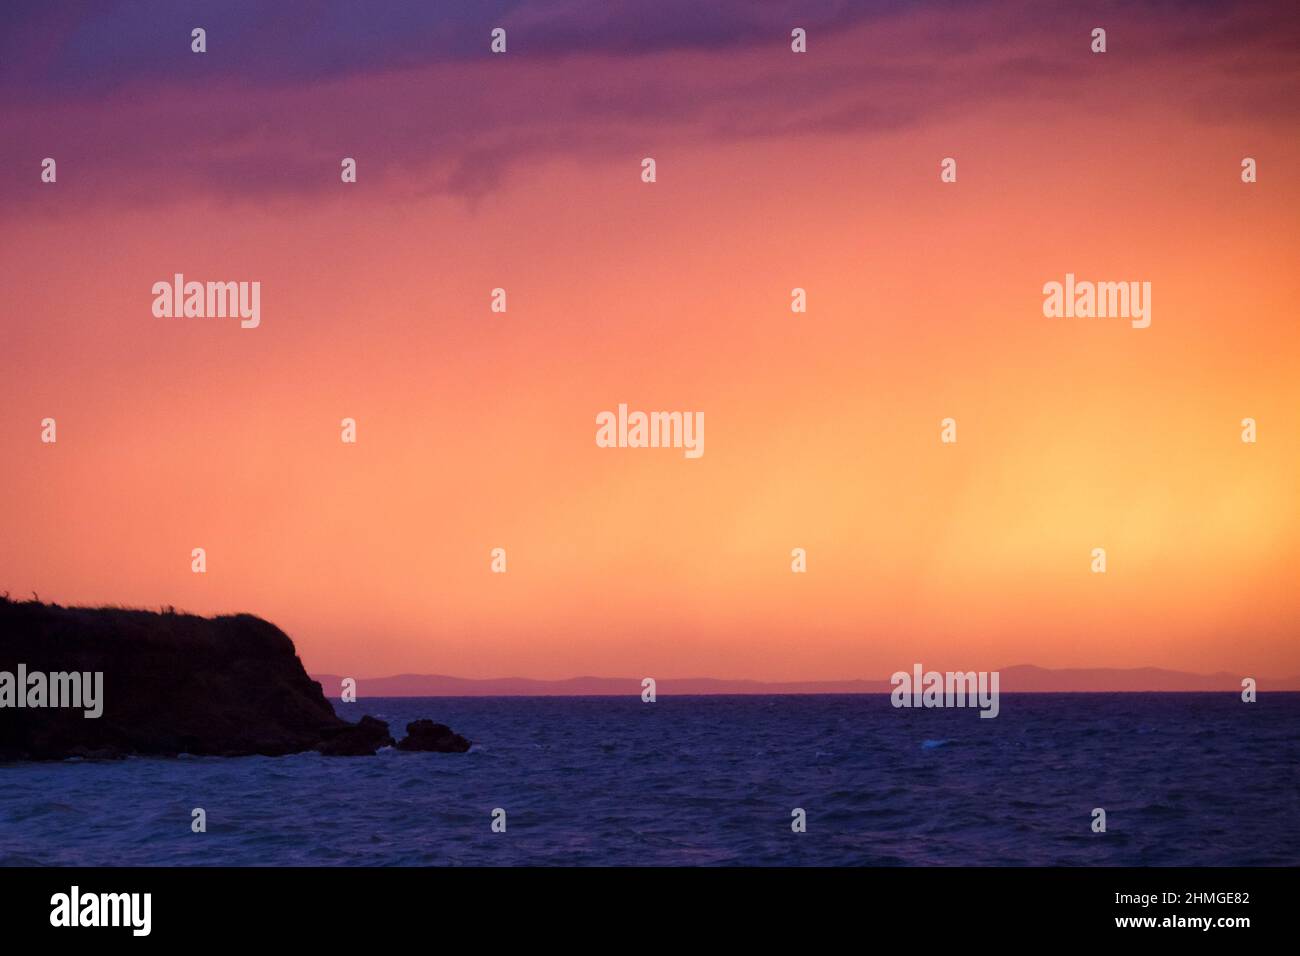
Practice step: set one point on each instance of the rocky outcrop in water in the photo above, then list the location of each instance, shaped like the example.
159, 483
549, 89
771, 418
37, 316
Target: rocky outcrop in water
438, 738
356, 740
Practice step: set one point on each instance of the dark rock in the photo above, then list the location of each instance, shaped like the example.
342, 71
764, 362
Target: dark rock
439, 738
82, 753
356, 740
172, 683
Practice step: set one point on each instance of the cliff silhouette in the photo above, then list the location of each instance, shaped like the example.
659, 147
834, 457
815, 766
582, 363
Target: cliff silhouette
175, 683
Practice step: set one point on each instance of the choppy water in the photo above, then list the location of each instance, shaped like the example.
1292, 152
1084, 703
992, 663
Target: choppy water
1188, 779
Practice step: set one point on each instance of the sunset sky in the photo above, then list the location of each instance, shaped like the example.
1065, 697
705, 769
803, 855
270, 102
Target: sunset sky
775, 170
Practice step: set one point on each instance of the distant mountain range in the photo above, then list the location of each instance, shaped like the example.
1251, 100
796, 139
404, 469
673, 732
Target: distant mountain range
1022, 678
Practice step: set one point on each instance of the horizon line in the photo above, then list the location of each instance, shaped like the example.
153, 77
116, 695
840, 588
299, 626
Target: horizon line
1025, 678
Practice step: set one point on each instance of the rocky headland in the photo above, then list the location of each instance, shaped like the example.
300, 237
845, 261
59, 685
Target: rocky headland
112, 682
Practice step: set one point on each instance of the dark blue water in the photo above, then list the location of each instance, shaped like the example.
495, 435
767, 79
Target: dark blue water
1185, 779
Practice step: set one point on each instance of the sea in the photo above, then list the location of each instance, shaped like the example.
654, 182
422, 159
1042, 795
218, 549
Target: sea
1184, 779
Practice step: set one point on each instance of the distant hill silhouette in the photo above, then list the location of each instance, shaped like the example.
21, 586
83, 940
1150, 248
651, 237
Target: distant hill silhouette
1022, 678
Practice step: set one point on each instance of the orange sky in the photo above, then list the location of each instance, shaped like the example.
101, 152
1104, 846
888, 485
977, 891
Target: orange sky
477, 430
